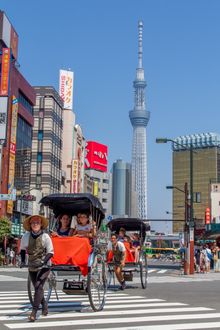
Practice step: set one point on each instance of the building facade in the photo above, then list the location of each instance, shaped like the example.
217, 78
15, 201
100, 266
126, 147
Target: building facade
206, 170
17, 99
46, 170
121, 188
139, 118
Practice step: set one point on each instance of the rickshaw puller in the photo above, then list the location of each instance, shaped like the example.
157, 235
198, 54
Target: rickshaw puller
40, 250
119, 254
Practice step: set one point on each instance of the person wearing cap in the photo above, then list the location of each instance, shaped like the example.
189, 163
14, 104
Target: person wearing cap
40, 250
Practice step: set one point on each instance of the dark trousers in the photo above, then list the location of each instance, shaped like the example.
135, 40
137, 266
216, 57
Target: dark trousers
38, 279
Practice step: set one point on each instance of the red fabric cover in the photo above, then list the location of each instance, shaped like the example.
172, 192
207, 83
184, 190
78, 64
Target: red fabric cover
72, 251
129, 256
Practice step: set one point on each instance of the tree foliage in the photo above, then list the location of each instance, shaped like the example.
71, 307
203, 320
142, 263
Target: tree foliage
5, 228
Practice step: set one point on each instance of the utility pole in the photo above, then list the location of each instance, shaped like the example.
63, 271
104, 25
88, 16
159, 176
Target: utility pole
186, 232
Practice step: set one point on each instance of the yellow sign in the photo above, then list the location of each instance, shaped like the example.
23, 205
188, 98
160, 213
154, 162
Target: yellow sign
96, 188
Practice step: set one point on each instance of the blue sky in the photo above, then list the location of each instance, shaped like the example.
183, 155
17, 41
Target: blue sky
98, 41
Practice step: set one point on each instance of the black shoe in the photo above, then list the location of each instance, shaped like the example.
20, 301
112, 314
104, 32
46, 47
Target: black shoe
32, 316
44, 309
123, 285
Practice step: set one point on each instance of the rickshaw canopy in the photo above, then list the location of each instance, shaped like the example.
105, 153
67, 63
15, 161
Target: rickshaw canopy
72, 204
129, 224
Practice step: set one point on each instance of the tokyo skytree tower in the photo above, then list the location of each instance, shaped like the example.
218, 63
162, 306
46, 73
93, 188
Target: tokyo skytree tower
139, 118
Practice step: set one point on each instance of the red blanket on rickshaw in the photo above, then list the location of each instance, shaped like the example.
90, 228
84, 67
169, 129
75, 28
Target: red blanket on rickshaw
72, 251
129, 255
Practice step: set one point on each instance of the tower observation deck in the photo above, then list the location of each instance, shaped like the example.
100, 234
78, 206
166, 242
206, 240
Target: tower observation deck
139, 118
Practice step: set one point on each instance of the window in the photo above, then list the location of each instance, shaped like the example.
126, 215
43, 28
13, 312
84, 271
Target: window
197, 197
39, 156
40, 135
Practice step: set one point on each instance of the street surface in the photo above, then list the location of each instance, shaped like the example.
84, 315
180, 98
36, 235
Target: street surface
171, 301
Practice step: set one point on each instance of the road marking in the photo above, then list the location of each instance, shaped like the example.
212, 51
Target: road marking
188, 326
162, 271
112, 313
5, 278
151, 271
109, 321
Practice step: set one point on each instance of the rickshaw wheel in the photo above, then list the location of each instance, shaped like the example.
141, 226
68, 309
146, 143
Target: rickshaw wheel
143, 269
97, 283
48, 286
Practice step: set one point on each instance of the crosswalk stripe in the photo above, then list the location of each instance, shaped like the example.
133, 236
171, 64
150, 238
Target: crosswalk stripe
187, 326
162, 271
64, 304
109, 321
151, 271
114, 313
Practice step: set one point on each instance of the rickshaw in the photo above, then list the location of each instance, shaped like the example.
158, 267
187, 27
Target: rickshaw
131, 266
81, 258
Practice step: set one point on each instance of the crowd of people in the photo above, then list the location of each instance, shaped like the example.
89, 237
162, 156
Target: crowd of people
207, 257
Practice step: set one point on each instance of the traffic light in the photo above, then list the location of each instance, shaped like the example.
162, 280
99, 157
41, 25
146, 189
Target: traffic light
207, 216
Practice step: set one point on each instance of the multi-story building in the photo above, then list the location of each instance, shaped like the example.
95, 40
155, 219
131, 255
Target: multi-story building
139, 118
17, 99
206, 170
78, 171
46, 172
121, 188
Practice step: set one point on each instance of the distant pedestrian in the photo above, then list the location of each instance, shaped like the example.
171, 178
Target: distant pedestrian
11, 256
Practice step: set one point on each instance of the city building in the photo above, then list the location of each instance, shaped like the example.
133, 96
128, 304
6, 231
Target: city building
97, 177
206, 171
46, 171
121, 188
17, 99
66, 93
139, 118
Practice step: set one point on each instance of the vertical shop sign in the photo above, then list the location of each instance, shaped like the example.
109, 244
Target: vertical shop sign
5, 72
75, 176
12, 152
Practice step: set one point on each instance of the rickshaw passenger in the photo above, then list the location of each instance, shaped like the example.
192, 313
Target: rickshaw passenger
63, 228
119, 255
136, 246
40, 250
83, 226
121, 235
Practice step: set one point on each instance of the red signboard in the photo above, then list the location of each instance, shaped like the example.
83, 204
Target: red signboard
96, 156
5, 71
207, 216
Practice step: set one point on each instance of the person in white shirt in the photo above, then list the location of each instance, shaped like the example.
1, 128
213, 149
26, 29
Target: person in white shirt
83, 226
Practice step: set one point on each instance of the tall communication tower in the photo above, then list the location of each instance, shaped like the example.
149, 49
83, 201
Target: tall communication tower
139, 118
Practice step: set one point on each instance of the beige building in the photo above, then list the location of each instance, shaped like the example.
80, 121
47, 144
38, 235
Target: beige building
47, 141
206, 170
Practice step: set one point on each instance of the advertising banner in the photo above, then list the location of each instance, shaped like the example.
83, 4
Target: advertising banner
11, 174
96, 188
74, 176
14, 42
66, 88
3, 116
8, 34
5, 71
96, 156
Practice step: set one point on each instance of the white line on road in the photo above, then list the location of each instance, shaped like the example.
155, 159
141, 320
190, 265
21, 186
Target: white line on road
113, 321
162, 271
113, 313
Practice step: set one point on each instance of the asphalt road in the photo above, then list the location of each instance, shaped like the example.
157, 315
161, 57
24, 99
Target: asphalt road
171, 301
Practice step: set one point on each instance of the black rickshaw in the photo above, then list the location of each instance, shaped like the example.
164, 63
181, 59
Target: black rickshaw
140, 266
95, 282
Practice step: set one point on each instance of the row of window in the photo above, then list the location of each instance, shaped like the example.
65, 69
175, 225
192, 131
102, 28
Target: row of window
24, 101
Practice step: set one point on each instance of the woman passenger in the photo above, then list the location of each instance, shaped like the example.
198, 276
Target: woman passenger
63, 226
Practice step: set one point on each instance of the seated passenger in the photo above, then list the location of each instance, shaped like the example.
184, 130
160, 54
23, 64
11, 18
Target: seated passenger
63, 228
136, 246
121, 235
83, 226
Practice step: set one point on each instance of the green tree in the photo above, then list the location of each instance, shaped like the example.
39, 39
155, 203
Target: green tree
5, 228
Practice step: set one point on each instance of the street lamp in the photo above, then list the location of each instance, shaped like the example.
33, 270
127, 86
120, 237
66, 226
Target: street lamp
189, 212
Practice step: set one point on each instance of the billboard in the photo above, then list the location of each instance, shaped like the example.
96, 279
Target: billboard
8, 34
3, 117
5, 71
96, 156
11, 174
66, 88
